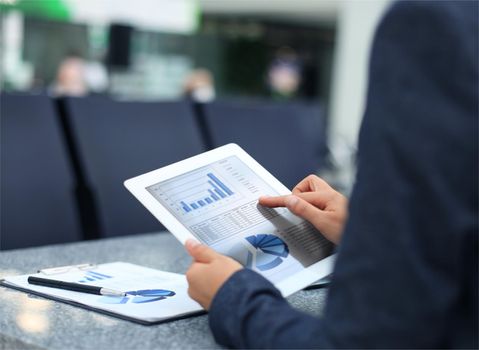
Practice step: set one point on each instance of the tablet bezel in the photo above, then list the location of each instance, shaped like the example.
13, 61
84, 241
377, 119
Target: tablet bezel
138, 187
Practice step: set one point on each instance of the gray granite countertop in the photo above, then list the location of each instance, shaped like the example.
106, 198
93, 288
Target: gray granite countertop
30, 322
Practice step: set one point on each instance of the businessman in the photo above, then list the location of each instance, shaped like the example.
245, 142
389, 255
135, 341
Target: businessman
407, 270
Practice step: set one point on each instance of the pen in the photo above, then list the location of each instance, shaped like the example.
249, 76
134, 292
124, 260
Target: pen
317, 286
76, 287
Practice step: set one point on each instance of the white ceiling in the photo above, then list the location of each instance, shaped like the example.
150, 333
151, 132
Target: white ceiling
311, 11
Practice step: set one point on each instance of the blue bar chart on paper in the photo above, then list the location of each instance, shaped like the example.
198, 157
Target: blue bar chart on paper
92, 276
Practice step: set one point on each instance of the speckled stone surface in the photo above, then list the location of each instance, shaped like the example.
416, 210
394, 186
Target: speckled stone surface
30, 322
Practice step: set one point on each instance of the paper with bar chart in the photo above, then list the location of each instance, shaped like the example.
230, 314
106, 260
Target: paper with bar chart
218, 204
151, 295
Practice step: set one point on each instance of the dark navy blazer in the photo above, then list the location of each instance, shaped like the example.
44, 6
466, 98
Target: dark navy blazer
407, 269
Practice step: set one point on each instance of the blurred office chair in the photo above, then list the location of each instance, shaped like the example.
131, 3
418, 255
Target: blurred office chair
37, 202
286, 138
119, 140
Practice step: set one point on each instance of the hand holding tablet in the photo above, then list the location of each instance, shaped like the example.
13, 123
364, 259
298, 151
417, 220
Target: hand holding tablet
213, 198
208, 272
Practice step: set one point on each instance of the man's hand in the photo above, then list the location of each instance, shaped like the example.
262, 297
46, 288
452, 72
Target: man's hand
314, 200
208, 272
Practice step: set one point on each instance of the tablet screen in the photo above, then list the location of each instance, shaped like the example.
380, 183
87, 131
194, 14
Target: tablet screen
218, 204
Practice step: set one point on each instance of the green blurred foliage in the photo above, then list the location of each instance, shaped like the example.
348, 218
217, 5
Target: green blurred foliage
53, 9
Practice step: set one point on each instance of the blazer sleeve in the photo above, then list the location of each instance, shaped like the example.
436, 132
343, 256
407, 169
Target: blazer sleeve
406, 273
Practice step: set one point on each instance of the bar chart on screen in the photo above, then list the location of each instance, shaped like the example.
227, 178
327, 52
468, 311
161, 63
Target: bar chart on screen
216, 191
198, 191
216, 200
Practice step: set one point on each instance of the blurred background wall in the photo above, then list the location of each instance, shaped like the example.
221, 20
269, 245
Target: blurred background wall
162, 41
285, 79
162, 49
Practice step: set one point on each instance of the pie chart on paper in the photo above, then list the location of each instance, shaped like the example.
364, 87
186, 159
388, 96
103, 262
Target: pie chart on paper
138, 296
263, 251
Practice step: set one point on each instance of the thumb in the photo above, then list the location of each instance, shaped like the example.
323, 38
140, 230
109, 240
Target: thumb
307, 211
200, 252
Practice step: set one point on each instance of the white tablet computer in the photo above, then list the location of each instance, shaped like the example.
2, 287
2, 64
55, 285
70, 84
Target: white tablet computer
213, 198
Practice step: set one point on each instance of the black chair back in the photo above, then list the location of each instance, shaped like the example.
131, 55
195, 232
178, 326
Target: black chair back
287, 139
37, 185
118, 140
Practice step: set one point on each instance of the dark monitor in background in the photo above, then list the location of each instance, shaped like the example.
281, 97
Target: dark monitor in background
119, 43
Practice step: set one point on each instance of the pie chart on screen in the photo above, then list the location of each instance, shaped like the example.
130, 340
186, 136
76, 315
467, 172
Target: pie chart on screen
262, 251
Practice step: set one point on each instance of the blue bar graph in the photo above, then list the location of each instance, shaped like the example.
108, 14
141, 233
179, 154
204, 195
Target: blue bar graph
185, 207
214, 196
91, 276
98, 275
220, 184
222, 195
217, 191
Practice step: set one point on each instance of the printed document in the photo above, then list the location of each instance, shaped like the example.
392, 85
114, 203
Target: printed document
152, 295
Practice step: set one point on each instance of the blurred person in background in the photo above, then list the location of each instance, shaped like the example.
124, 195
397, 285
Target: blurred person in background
284, 74
199, 86
406, 273
71, 77
96, 77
